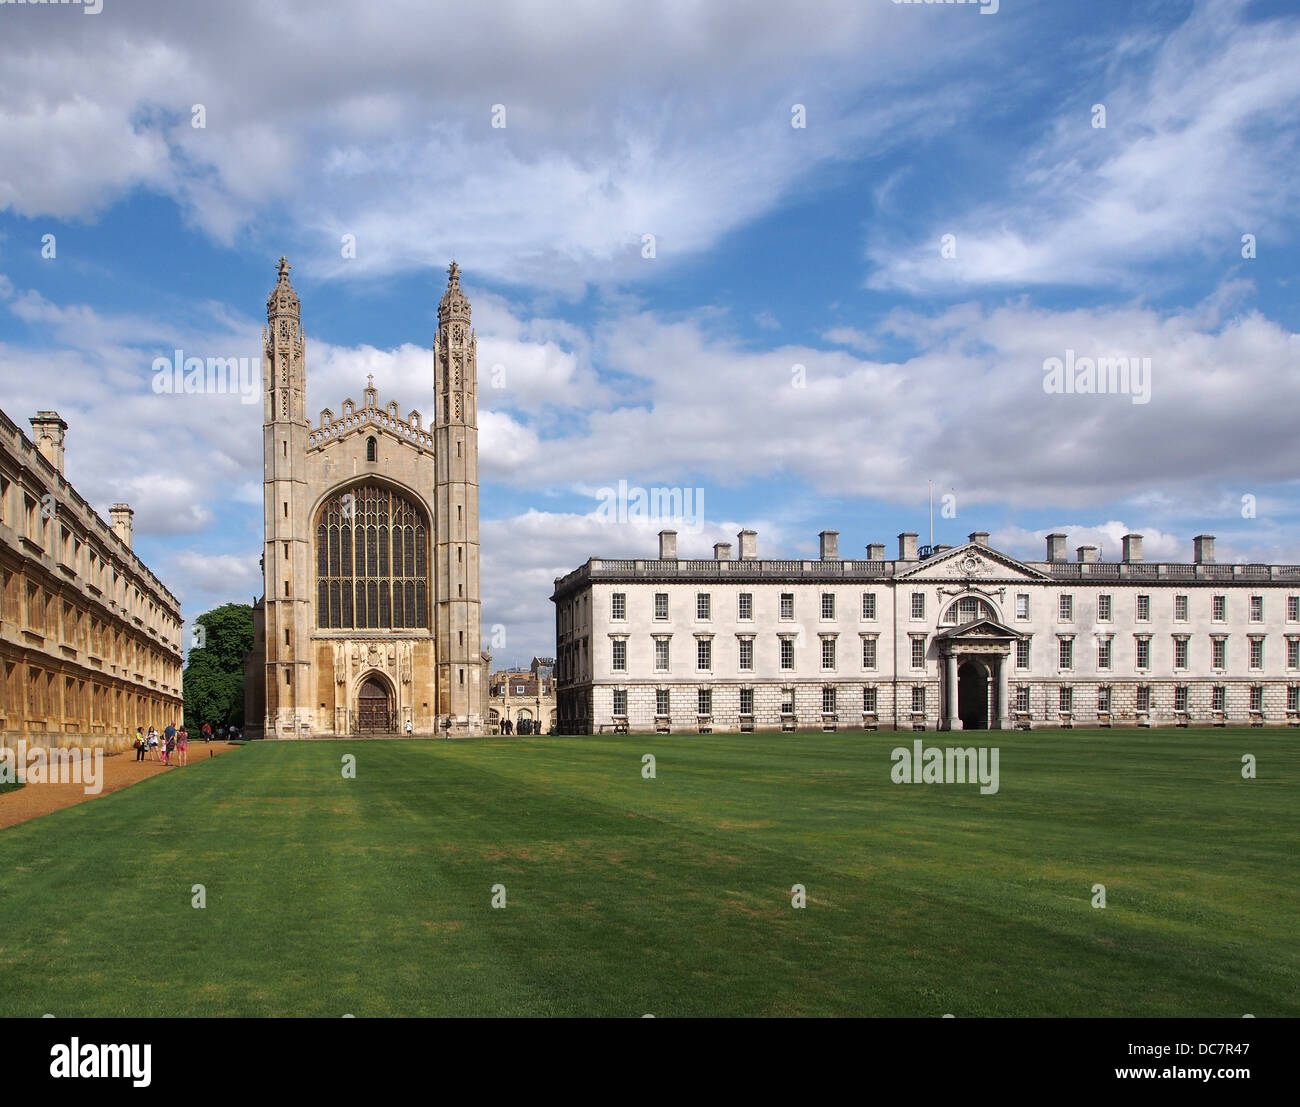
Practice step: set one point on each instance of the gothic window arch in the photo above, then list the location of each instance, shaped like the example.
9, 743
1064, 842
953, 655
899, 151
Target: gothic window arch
372, 561
370, 448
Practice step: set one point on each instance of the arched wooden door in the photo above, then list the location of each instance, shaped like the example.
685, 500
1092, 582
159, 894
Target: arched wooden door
374, 706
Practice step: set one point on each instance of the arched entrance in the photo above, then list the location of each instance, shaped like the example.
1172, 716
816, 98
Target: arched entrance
375, 706
973, 696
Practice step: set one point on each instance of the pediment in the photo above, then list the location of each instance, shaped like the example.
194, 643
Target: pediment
972, 562
987, 630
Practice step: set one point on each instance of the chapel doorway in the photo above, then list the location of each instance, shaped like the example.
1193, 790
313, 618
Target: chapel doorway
374, 707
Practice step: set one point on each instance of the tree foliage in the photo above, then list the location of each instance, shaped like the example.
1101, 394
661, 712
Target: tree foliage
214, 673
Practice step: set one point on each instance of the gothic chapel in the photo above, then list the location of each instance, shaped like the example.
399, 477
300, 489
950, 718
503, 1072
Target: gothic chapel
369, 620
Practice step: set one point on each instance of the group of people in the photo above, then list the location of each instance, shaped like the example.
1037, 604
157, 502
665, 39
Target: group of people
171, 747
523, 726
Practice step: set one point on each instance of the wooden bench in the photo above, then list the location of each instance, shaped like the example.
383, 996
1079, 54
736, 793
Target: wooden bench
870, 722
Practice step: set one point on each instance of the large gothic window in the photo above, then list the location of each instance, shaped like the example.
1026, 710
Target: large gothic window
372, 562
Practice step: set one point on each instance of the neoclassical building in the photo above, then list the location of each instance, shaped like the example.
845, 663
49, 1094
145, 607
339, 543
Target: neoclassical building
523, 694
950, 638
369, 621
90, 639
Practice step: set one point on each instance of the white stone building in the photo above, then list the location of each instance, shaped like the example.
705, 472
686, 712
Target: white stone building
949, 638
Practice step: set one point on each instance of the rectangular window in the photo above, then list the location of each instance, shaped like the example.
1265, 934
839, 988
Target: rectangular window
787, 701
868, 653
1293, 653
787, 653
704, 654
1103, 653
1022, 698
1103, 608
1257, 698
662, 701
1022, 605
618, 606
704, 701
620, 701
869, 605
618, 650
1180, 609
918, 605
1219, 698
662, 655
828, 653
1144, 609
1293, 609
1220, 609
1144, 697
1144, 653
703, 606
661, 605
1180, 653
1180, 698
1219, 653
828, 605
1022, 653
1293, 697
747, 654
787, 605
869, 701
1065, 607
747, 701
1066, 699
1103, 699
828, 701
1257, 653
745, 606
1256, 609
918, 653
918, 699
1066, 652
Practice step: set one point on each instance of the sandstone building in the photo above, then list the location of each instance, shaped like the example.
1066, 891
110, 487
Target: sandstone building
518, 694
949, 638
90, 639
370, 620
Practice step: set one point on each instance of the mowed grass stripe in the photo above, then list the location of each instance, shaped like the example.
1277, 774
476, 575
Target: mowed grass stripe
671, 895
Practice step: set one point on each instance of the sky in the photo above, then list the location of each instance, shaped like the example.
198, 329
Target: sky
792, 262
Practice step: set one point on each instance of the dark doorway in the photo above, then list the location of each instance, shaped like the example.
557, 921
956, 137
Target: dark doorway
973, 696
374, 710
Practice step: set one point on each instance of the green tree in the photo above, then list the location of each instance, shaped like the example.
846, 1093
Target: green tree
214, 673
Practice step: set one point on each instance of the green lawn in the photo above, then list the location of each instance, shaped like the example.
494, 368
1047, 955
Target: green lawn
670, 896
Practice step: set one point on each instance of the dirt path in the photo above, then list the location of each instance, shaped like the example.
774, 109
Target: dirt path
121, 770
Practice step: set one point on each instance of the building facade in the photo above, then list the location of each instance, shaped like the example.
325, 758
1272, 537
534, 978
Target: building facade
369, 620
523, 694
952, 638
90, 639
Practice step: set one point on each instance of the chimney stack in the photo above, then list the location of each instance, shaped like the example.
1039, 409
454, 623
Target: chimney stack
1086, 553
1132, 547
980, 537
876, 551
47, 431
1056, 547
721, 551
1203, 549
907, 546
120, 514
830, 545
667, 545
748, 540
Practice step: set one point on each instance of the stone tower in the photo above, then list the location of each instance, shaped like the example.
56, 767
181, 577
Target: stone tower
458, 620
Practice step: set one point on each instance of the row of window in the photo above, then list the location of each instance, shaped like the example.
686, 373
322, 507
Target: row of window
870, 699
1142, 652
745, 653
965, 610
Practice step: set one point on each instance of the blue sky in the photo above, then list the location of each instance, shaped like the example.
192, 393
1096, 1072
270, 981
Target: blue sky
775, 246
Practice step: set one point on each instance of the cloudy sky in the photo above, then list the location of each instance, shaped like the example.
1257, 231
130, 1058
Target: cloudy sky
873, 226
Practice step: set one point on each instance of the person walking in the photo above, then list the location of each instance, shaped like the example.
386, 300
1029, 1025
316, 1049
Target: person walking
139, 743
183, 745
206, 731
169, 749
